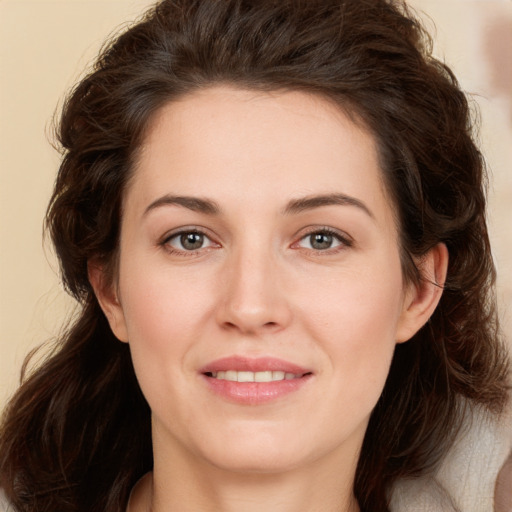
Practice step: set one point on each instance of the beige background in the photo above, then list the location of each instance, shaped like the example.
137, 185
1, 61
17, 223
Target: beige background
44, 48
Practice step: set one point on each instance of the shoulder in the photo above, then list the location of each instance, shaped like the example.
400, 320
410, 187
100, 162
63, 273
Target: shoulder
466, 478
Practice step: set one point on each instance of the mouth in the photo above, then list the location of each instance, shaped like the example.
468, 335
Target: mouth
245, 376
254, 381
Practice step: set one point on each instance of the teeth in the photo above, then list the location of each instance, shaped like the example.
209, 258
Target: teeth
244, 376
263, 377
267, 376
231, 375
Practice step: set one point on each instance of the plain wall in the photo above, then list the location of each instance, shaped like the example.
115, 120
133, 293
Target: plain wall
44, 48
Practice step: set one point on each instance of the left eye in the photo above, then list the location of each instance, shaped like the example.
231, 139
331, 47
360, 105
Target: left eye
189, 241
321, 241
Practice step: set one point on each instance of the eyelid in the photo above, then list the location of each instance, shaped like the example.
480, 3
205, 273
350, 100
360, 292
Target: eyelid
182, 230
345, 239
342, 237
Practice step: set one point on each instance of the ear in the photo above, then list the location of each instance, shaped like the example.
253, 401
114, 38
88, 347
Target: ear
107, 297
422, 298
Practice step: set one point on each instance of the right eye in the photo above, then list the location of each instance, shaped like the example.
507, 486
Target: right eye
188, 241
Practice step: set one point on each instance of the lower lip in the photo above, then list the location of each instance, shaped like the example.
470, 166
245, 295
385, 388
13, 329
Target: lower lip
254, 393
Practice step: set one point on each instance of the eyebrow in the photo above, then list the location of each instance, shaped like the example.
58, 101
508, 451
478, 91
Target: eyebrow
317, 201
210, 207
196, 204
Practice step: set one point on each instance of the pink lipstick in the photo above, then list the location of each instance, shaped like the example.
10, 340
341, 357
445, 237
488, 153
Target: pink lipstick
253, 381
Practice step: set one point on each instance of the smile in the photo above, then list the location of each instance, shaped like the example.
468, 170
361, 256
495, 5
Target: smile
244, 376
250, 381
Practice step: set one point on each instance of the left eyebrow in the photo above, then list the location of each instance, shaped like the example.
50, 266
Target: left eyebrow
196, 204
317, 201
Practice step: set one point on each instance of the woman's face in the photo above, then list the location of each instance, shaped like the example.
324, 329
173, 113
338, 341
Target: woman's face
259, 284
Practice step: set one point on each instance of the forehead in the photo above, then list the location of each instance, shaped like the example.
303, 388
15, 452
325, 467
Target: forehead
265, 146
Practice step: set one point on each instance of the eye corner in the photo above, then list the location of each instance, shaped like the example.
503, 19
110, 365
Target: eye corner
188, 241
323, 240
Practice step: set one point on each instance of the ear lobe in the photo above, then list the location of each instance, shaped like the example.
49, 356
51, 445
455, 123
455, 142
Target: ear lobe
421, 299
108, 299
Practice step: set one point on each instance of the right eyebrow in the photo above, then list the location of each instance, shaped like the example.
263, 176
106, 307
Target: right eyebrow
317, 201
196, 204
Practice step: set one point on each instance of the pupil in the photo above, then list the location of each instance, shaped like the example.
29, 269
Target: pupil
321, 241
191, 241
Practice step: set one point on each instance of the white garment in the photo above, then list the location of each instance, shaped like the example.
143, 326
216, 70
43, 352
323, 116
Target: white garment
4, 504
466, 479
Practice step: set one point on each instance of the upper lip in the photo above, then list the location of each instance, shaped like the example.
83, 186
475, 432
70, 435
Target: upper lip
248, 364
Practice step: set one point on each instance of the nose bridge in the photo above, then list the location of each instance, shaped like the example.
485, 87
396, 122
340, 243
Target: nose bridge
253, 299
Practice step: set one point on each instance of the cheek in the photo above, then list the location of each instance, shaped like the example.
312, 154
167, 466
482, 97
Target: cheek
354, 320
163, 311
158, 301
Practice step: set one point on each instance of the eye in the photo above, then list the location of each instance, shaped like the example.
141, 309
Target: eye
188, 241
323, 240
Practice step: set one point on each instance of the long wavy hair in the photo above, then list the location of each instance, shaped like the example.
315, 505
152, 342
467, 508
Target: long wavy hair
76, 436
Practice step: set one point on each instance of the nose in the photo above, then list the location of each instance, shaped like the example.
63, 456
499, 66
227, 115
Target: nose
254, 300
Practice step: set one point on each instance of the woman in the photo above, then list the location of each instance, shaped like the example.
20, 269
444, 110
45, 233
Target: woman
273, 216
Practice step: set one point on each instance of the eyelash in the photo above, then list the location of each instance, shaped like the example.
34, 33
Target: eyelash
344, 241
184, 252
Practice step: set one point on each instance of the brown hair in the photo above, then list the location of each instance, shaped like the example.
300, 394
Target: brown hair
76, 436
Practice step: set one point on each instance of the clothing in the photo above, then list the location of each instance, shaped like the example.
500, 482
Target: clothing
465, 480
4, 504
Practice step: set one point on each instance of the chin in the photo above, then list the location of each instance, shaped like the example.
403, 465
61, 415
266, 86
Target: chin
256, 463
258, 454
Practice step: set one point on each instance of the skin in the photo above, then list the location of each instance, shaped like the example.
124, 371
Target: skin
258, 287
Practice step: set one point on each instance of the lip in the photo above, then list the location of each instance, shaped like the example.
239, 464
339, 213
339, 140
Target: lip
254, 393
248, 364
